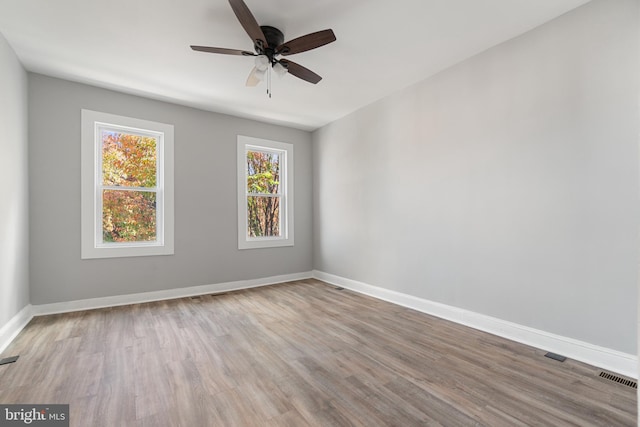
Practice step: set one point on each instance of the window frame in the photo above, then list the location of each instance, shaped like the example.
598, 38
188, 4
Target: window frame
92, 244
285, 151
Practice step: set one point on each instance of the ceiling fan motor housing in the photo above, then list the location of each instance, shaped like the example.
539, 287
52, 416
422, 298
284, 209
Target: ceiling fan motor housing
274, 39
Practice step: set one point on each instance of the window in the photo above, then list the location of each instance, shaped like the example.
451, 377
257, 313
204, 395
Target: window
265, 193
127, 186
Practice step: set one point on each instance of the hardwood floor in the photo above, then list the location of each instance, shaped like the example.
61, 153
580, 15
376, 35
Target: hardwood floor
296, 354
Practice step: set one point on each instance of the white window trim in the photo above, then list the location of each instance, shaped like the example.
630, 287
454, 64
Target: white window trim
91, 204
286, 188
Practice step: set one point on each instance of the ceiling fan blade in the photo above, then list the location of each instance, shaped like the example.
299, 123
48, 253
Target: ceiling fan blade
253, 79
300, 72
308, 42
222, 50
248, 21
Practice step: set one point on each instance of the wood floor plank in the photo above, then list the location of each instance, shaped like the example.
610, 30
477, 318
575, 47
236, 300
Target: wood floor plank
297, 354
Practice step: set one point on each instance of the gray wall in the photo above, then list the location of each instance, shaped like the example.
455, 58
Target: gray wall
14, 212
205, 199
506, 185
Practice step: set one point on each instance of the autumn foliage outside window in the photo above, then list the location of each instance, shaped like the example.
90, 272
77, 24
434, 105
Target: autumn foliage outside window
263, 194
129, 187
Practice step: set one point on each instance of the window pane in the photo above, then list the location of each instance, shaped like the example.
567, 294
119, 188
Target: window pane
128, 216
263, 216
128, 160
263, 172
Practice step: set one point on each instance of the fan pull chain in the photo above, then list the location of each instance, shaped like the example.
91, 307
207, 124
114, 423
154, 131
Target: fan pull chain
269, 81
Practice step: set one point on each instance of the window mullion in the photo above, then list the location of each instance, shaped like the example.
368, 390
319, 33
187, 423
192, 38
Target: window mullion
120, 188
264, 194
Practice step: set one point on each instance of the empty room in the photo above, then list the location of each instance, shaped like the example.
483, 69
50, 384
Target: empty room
329, 213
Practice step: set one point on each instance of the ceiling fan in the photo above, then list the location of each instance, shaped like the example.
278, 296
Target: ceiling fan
269, 45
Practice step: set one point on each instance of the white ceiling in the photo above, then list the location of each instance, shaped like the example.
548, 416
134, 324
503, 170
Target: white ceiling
142, 47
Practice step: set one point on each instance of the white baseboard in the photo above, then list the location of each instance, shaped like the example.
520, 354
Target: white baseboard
602, 357
13, 327
117, 300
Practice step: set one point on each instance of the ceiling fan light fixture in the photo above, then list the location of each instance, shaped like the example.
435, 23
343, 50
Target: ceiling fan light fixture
280, 69
260, 73
262, 63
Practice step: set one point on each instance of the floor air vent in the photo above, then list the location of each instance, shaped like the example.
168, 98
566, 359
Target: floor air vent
554, 356
8, 360
623, 381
